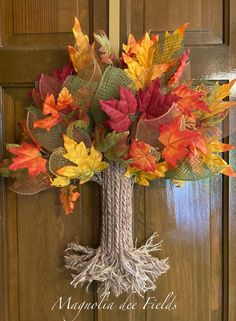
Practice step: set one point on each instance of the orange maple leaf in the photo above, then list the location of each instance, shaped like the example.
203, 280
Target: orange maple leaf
141, 157
82, 54
49, 109
228, 171
178, 143
52, 109
27, 156
64, 100
190, 100
68, 197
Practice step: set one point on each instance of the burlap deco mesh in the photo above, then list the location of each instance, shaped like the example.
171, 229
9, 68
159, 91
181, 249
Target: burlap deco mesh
148, 130
49, 140
166, 51
112, 79
28, 185
194, 170
49, 85
81, 90
57, 160
169, 49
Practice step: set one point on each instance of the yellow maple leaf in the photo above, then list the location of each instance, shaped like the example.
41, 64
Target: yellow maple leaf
88, 163
178, 183
140, 66
142, 177
216, 146
60, 181
82, 54
212, 159
215, 100
161, 169
141, 75
172, 43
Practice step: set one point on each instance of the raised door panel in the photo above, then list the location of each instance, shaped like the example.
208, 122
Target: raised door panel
205, 18
42, 23
34, 230
196, 222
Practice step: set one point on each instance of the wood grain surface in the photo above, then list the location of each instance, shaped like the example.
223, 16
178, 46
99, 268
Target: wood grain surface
197, 223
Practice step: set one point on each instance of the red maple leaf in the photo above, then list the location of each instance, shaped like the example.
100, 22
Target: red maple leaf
175, 78
141, 157
178, 143
27, 156
190, 100
120, 111
152, 103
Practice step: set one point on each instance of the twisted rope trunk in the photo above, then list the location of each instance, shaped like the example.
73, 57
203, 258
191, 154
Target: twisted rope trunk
116, 264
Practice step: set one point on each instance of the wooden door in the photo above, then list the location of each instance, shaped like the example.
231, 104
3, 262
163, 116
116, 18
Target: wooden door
34, 230
197, 222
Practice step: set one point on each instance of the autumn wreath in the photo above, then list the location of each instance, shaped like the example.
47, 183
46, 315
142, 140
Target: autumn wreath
119, 121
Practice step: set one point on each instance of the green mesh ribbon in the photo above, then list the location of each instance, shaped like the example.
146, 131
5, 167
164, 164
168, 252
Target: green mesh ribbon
81, 90
112, 79
50, 140
194, 171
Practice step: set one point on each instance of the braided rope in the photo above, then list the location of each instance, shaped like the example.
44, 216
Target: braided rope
117, 264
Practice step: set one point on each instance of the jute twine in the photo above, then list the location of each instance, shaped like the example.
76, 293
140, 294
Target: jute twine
117, 264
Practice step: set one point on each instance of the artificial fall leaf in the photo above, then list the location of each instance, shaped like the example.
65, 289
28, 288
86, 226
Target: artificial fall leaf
120, 111
45, 85
60, 181
161, 169
216, 105
141, 75
64, 100
228, 171
113, 145
178, 183
107, 55
62, 73
172, 44
52, 110
216, 146
152, 103
104, 143
87, 163
119, 151
140, 65
214, 160
190, 100
177, 142
132, 46
140, 153
53, 116
27, 156
176, 77
4, 168
82, 55
103, 41
68, 197
140, 177
145, 53
220, 92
